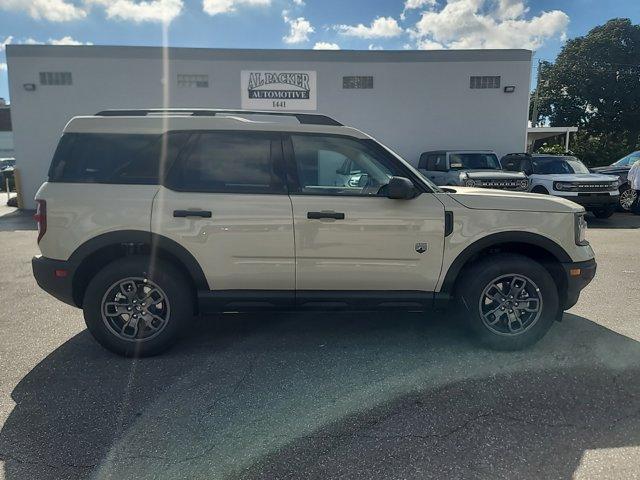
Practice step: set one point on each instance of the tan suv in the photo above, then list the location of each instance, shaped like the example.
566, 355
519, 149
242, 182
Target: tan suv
149, 217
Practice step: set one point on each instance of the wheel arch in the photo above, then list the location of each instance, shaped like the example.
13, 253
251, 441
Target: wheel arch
532, 245
97, 252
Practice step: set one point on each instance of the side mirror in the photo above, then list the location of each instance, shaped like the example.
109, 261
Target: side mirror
400, 188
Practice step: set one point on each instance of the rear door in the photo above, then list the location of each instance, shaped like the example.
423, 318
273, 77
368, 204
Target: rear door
349, 235
225, 201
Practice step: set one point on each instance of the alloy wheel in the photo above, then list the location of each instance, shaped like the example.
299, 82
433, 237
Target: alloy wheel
510, 304
627, 197
135, 309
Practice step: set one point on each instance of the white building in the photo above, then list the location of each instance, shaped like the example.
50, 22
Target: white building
412, 101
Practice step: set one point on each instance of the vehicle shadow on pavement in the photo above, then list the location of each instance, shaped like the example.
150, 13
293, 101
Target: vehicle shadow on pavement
325, 395
17, 220
618, 220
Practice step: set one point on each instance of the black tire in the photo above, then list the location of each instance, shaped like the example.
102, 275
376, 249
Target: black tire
480, 275
178, 307
605, 212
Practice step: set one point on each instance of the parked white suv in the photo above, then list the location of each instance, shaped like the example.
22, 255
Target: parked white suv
149, 217
567, 177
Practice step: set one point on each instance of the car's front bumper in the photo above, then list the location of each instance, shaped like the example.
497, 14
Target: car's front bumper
54, 277
593, 199
577, 275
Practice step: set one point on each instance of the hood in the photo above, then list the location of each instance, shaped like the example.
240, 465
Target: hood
611, 170
578, 177
486, 199
494, 174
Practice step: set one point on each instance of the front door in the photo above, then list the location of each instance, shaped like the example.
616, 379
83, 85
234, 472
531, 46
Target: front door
226, 202
348, 235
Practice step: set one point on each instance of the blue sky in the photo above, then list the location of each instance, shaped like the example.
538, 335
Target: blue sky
540, 25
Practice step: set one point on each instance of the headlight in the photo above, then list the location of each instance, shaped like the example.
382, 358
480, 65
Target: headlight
524, 184
563, 186
469, 182
581, 229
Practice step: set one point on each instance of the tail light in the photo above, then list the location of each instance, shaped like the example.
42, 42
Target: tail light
41, 218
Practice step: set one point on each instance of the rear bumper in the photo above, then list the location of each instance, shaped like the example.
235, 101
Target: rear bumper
593, 200
578, 275
50, 277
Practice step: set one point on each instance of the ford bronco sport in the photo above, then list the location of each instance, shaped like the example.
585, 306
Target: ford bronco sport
149, 217
470, 168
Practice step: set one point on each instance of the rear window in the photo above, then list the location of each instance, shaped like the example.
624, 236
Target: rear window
113, 158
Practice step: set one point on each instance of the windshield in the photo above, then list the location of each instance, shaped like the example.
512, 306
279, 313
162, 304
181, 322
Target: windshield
474, 161
558, 165
628, 160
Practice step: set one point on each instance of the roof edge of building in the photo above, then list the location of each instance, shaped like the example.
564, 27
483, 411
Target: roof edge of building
270, 55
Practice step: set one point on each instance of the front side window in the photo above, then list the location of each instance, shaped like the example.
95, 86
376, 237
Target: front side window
229, 162
474, 161
331, 165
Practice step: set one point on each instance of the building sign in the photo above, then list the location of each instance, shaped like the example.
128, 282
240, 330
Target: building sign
278, 90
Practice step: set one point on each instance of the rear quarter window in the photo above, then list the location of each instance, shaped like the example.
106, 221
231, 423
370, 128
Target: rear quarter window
114, 158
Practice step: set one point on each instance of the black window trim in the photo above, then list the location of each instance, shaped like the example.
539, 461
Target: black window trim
278, 163
293, 182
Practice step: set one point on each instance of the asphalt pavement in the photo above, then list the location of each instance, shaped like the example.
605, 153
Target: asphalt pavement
323, 395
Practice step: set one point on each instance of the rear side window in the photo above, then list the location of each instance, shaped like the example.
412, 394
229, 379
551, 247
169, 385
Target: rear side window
114, 158
230, 162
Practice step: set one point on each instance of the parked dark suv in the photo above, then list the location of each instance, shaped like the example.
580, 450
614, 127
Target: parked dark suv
621, 169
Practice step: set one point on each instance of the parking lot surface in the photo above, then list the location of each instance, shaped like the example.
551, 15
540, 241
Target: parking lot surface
323, 395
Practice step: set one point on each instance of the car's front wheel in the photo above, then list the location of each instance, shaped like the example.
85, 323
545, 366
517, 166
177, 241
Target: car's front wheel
137, 307
509, 301
628, 197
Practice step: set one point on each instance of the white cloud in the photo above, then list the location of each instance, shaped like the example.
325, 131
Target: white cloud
3, 67
426, 44
300, 3
299, 29
216, 7
32, 41
487, 24
416, 4
66, 41
381, 27
140, 11
375, 47
52, 10
326, 46
5, 42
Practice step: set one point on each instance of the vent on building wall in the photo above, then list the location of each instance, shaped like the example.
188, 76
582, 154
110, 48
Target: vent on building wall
357, 82
485, 82
55, 78
191, 80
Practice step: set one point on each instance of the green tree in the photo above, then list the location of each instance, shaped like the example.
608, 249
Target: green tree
595, 84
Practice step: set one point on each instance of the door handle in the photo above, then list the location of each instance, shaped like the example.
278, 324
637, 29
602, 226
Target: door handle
319, 215
192, 213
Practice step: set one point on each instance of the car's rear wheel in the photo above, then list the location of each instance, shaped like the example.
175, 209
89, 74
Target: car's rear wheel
509, 301
136, 307
604, 212
628, 197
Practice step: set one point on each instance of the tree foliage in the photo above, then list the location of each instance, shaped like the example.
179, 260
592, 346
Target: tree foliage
595, 84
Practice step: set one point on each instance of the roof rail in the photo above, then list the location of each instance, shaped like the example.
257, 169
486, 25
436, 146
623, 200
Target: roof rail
303, 118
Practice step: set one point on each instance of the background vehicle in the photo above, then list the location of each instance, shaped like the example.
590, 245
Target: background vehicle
567, 177
7, 166
468, 168
147, 220
621, 169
